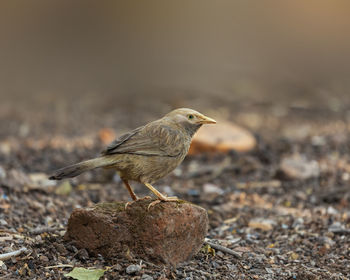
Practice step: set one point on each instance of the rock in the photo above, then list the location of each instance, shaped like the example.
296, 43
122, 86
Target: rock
167, 233
298, 167
133, 268
222, 137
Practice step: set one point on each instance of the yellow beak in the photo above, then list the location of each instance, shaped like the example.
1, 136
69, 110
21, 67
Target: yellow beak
206, 120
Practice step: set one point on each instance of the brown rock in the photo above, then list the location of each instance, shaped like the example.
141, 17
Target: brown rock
168, 233
222, 137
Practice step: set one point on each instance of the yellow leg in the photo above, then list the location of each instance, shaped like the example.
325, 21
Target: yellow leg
132, 194
160, 196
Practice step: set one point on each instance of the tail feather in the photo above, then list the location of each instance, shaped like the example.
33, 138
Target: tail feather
78, 168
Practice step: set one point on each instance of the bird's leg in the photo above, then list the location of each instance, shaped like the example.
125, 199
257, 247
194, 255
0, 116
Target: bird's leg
160, 196
131, 192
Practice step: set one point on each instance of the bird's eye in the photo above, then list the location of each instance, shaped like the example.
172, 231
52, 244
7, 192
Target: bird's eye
190, 117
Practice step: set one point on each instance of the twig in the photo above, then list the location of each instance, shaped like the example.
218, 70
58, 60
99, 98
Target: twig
213, 170
339, 230
58, 266
41, 230
207, 274
223, 249
7, 256
4, 277
150, 264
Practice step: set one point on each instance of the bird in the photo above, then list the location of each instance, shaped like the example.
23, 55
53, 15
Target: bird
147, 153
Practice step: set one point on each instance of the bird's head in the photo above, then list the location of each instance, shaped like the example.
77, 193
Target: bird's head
189, 119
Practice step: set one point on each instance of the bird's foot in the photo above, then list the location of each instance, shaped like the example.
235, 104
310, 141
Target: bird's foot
137, 199
164, 198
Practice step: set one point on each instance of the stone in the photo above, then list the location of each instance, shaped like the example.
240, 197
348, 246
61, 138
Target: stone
61, 249
107, 135
133, 268
168, 233
298, 167
43, 258
263, 224
222, 137
209, 188
146, 277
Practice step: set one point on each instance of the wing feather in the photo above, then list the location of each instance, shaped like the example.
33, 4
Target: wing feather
154, 139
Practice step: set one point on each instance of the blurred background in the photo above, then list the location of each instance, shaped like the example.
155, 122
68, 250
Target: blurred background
71, 66
74, 75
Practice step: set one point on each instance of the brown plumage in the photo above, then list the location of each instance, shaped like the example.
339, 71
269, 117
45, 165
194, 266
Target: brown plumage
147, 153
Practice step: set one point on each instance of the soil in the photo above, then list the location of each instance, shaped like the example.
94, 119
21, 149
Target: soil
284, 228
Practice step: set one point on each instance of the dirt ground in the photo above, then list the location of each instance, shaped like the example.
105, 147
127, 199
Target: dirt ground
284, 206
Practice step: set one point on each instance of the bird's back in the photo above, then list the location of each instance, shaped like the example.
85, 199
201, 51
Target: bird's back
150, 152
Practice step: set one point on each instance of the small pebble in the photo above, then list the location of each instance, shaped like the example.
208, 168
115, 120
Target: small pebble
61, 249
332, 211
146, 277
133, 268
168, 191
2, 173
83, 254
211, 188
38, 238
44, 258
193, 192
118, 267
3, 265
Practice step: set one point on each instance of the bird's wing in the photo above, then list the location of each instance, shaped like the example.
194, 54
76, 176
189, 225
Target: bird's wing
154, 139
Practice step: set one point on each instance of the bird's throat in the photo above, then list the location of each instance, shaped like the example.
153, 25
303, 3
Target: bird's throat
190, 128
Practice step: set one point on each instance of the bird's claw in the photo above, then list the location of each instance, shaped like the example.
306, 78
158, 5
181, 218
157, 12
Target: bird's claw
137, 199
165, 199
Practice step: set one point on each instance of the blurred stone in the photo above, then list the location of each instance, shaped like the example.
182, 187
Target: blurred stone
83, 254
20, 181
5, 148
133, 268
64, 189
61, 249
298, 167
222, 137
263, 224
43, 258
3, 266
40, 180
211, 188
107, 135
167, 233
146, 277
338, 228
332, 211
2, 173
